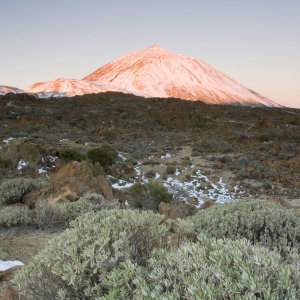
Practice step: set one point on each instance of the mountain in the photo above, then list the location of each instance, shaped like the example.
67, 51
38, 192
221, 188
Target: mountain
70, 87
155, 72
9, 89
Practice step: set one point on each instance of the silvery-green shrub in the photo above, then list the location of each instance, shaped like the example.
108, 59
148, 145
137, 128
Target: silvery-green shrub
3, 255
261, 222
124, 255
216, 269
11, 191
14, 216
83, 261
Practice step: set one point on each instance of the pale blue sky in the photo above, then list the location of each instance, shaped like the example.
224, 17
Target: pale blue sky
256, 43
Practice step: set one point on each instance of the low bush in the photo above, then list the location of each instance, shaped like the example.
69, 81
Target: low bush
261, 222
110, 149
171, 170
96, 168
5, 163
125, 254
99, 202
3, 255
60, 215
50, 216
11, 191
14, 216
148, 196
71, 154
101, 156
99, 251
150, 174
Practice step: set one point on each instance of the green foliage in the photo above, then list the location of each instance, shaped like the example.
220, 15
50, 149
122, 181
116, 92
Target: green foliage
148, 196
11, 191
14, 216
5, 163
261, 222
97, 169
101, 156
110, 149
96, 257
99, 202
216, 269
3, 255
125, 254
264, 137
60, 215
171, 170
49, 216
71, 154
150, 174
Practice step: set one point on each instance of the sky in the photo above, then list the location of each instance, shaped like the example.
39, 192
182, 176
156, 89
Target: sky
256, 43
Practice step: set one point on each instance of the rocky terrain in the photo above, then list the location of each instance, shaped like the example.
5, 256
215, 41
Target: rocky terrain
202, 153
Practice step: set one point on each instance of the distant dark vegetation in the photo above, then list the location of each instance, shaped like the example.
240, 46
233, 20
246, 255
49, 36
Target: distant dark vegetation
266, 139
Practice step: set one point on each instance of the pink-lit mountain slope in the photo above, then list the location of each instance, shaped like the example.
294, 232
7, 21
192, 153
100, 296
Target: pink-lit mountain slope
155, 72
9, 89
70, 87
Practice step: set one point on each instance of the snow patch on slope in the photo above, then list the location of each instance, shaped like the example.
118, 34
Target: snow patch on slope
70, 87
9, 89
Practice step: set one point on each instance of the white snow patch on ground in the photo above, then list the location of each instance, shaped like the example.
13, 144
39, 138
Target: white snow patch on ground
5, 265
168, 155
8, 140
22, 164
122, 157
53, 158
41, 170
199, 187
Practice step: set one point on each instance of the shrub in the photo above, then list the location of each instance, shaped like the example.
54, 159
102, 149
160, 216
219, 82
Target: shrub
11, 191
14, 216
5, 163
171, 170
101, 156
60, 215
150, 174
261, 222
124, 254
97, 257
111, 150
148, 196
3, 255
216, 269
97, 169
99, 202
70, 154
49, 216
264, 137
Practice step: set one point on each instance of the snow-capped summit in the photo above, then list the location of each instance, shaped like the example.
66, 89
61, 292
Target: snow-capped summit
155, 72
9, 89
61, 87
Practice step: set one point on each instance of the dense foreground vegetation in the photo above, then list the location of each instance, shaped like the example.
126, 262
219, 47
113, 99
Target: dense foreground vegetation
129, 254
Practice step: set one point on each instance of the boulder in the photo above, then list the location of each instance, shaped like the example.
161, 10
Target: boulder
30, 198
207, 204
62, 197
74, 176
218, 164
128, 169
99, 185
10, 294
172, 211
77, 177
9, 273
